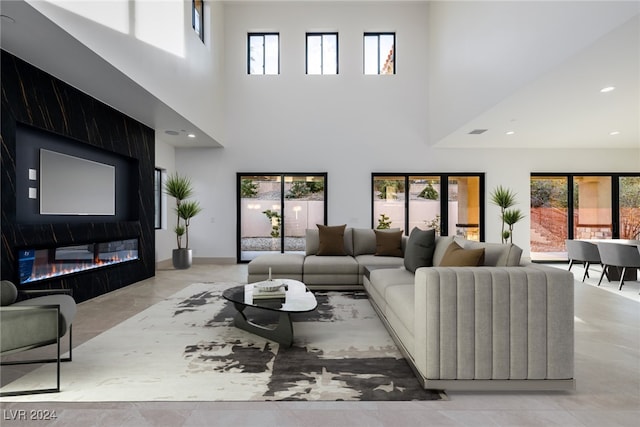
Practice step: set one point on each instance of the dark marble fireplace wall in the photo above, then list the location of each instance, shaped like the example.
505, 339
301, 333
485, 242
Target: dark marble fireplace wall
34, 98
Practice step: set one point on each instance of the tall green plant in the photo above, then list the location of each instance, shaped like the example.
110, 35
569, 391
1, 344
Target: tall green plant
510, 217
505, 198
180, 188
276, 221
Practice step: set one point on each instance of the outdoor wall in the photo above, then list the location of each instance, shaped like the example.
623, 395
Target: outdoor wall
348, 125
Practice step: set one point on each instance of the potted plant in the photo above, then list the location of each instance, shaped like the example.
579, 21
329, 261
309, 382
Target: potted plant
180, 188
505, 198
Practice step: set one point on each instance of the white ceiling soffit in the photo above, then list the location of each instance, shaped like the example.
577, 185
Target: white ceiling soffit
551, 101
40, 42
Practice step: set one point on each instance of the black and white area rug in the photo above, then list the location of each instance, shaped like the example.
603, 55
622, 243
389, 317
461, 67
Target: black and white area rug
187, 349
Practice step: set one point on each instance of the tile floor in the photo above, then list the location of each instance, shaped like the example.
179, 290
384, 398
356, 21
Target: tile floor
607, 372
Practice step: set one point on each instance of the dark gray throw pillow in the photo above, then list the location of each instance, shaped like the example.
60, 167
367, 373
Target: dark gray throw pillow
419, 250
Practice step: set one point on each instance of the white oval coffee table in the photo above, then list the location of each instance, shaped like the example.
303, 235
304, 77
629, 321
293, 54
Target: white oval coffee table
292, 297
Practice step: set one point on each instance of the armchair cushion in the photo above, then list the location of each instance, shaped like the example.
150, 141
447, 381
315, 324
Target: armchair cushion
8, 293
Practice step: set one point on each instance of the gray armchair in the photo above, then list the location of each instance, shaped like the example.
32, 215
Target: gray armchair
583, 252
33, 323
618, 255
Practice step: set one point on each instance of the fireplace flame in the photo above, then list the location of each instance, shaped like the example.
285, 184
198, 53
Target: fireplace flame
56, 269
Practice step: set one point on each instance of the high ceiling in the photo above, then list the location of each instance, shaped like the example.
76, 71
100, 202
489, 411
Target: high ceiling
531, 68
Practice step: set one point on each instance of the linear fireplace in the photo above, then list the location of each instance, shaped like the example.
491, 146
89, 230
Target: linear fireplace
41, 264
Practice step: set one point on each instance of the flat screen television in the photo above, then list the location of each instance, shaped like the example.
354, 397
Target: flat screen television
72, 185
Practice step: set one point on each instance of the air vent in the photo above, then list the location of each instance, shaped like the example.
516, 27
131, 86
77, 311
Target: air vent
477, 131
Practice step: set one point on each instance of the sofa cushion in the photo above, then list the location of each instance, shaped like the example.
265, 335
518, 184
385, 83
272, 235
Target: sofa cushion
400, 301
364, 240
442, 243
329, 265
457, 256
331, 240
388, 243
312, 241
495, 254
419, 250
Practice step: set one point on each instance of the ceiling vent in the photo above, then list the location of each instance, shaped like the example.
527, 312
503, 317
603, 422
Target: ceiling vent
477, 131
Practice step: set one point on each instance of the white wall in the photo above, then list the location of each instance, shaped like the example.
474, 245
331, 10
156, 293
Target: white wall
348, 125
153, 43
165, 237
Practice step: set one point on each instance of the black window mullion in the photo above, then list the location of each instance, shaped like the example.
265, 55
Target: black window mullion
282, 230
570, 207
444, 204
406, 205
615, 205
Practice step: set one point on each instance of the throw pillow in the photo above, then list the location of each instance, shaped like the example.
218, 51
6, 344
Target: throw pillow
419, 250
456, 256
388, 243
331, 240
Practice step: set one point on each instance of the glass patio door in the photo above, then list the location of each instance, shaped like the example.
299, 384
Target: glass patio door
592, 210
549, 217
568, 206
629, 211
274, 211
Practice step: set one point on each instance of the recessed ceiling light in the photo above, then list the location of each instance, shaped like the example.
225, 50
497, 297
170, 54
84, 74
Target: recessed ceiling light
477, 131
510, 132
607, 89
191, 135
7, 18
615, 132
171, 132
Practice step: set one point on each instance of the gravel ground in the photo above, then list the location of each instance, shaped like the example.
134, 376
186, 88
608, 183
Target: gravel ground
270, 243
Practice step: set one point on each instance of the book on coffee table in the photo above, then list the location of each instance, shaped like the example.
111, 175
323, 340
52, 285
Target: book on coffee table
258, 294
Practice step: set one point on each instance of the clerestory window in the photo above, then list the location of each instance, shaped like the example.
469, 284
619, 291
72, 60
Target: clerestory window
379, 53
322, 53
263, 53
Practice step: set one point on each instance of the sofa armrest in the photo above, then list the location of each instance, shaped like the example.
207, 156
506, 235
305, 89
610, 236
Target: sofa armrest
506, 323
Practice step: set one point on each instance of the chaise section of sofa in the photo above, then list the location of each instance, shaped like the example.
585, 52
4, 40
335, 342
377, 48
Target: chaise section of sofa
481, 328
494, 327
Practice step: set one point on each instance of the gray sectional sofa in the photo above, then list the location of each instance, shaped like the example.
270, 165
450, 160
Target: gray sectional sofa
324, 272
502, 325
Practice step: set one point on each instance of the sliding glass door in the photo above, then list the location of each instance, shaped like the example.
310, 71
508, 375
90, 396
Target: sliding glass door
581, 206
452, 204
629, 212
274, 211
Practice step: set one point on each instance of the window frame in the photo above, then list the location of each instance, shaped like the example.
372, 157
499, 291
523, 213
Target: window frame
261, 34
322, 34
444, 189
197, 15
571, 208
157, 192
282, 175
364, 51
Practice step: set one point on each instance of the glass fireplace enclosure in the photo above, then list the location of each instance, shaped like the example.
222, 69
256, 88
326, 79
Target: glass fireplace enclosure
582, 206
40, 264
275, 209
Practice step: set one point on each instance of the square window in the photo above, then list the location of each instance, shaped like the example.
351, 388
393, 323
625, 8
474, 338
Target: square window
263, 53
322, 53
197, 17
379, 53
